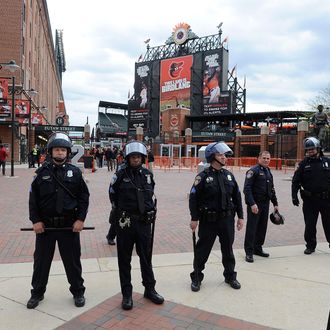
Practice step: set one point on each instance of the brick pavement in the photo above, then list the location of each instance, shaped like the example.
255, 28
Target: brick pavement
145, 315
172, 234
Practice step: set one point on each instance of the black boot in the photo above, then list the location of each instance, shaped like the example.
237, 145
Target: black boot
155, 297
195, 285
79, 301
127, 303
34, 302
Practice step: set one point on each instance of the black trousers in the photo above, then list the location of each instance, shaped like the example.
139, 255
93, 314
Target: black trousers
138, 233
112, 232
312, 207
3, 166
256, 228
69, 247
207, 233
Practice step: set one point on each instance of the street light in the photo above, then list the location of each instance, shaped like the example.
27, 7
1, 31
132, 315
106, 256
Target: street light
30, 93
12, 67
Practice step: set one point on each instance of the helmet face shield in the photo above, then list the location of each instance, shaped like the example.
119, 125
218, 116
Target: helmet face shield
217, 148
135, 148
276, 218
59, 140
311, 143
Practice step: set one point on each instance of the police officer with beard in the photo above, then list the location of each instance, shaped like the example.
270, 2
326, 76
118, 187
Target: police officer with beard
214, 199
312, 178
131, 194
59, 198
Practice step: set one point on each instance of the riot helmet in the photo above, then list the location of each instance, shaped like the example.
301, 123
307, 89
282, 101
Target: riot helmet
311, 143
320, 107
59, 140
217, 148
135, 148
277, 218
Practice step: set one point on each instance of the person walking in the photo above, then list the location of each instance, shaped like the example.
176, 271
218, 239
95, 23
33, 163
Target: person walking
59, 198
213, 201
3, 158
131, 193
108, 155
312, 178
259, 191
151, 159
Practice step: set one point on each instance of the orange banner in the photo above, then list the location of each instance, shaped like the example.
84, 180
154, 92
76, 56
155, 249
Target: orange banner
175, 78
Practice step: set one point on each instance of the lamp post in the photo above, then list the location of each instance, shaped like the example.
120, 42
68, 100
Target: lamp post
30, 93
12, 67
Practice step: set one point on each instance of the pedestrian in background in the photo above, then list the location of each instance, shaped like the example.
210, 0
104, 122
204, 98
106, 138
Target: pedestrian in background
59, 199
214, 199
150, 159
259, 191
3, 158
312, 178
108, 155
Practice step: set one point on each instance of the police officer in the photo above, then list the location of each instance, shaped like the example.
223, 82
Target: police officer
214, 199
59, 198
259, 191
312, 178
131, 194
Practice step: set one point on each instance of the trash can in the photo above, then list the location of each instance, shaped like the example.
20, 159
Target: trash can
88, 161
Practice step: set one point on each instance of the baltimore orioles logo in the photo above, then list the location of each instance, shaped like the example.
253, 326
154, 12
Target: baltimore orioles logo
175, 69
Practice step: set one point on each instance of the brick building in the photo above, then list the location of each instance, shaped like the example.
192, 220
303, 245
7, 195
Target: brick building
26, 38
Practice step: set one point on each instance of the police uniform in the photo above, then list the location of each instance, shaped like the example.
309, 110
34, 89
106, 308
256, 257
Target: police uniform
56, 206
258, 189
131, 193
312, 177
214, 199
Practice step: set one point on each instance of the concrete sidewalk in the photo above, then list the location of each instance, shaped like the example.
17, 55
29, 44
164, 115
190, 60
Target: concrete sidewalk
280, 292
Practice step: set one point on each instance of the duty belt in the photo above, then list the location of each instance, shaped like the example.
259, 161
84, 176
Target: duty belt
321, 195
58, 222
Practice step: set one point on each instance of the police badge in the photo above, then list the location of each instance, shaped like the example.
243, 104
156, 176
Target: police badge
124, 221
209, 179
69, 174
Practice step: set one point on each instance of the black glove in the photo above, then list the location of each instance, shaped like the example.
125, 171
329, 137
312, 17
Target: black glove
295, 201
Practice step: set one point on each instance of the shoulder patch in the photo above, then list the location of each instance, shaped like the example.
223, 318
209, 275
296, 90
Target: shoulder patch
249, 174
113, 179
198, 179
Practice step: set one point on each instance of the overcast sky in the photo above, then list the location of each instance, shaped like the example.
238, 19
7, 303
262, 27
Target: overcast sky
281, 46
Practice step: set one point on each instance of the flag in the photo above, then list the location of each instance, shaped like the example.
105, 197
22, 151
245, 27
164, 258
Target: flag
233, 70
147, 41
140, 58
224, 40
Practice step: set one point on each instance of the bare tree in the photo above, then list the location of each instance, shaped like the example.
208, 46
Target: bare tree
323, 98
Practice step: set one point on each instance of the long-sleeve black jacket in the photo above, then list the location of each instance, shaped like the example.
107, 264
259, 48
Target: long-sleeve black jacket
44, 192
127, 185
313, 175
206, 193
259, 186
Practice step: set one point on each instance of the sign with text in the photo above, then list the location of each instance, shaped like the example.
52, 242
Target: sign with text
175, 78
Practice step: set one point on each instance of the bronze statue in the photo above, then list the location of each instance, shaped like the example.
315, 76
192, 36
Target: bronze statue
320, 120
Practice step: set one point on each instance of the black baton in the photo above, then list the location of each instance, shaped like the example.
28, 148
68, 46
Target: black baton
58, 229
194, 249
